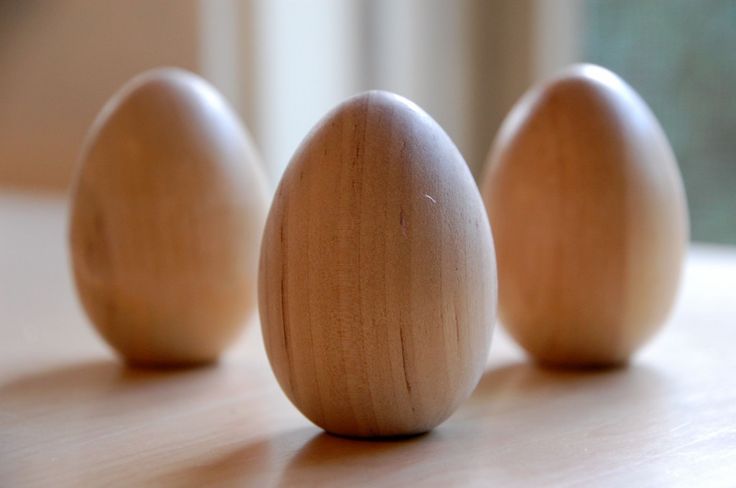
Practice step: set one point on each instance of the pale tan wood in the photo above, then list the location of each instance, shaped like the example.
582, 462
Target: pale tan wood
167, 213
590, 220
377, 281
72, 415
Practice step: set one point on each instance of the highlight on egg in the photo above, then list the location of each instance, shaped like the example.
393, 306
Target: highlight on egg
589, 217
167, 210
377, 280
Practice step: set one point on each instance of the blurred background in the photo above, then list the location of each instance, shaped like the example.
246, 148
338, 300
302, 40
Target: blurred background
284, 63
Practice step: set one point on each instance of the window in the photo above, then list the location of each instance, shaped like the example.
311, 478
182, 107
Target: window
680, 56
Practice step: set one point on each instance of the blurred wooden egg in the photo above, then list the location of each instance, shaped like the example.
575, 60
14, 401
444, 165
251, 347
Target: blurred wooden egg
166, 218
589, 218
377, 282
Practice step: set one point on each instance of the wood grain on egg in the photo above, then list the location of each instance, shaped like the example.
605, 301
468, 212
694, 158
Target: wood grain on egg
377, 285
166, 218
589, 217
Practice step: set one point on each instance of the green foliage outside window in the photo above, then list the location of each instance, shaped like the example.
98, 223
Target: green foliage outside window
680, 55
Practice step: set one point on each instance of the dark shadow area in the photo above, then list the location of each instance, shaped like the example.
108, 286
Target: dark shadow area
255, 463
301, 457
523, 423
102, 384
523, 385
559, 420
525, 380
245, 465
326, 458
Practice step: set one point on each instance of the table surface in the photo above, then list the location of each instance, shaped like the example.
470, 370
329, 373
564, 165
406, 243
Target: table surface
72, 415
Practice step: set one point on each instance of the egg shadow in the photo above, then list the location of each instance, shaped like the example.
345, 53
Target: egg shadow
305, 456
519, 416
105, 385
337, 460
521, 382
256, 462
112, 397
560, 419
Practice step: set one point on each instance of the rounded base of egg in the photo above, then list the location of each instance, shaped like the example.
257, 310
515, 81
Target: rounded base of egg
164, 364
569, 362
383, 437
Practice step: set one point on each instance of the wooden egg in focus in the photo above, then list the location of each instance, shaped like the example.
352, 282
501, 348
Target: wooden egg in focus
166, 218
589, 217
377, 281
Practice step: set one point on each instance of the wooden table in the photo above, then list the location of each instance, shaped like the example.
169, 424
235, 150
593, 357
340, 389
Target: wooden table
71, 415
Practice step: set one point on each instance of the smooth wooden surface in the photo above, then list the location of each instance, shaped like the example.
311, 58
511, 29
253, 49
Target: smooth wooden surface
377, 279
168, 207
71, 415
589, 217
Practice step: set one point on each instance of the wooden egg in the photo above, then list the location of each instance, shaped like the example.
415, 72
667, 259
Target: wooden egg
377, 281
589, 217
166, 218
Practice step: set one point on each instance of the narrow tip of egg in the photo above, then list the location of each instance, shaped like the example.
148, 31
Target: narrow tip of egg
165, 77
588, 72
378, 96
